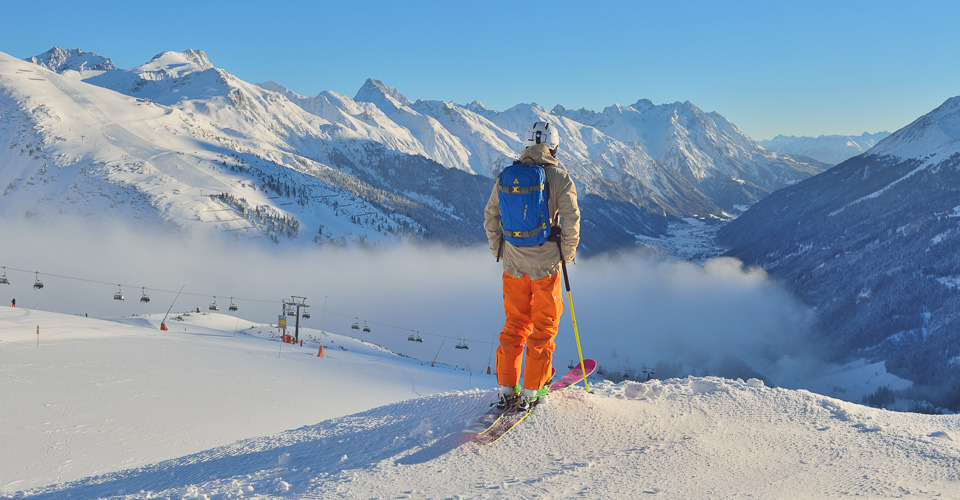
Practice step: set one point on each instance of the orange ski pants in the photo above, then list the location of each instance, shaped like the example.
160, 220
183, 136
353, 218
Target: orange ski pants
533, 309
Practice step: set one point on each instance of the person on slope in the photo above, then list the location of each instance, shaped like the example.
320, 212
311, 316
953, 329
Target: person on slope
532, 299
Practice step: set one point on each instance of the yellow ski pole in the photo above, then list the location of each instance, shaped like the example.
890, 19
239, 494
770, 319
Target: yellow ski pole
576, 334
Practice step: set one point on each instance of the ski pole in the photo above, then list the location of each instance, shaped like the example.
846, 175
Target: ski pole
576, 334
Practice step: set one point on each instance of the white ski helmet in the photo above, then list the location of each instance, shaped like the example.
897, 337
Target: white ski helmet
542, 133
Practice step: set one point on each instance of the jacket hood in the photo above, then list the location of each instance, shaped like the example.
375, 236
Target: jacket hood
538, 154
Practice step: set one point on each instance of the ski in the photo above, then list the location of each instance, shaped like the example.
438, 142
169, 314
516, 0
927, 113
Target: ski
485, 421
510, 418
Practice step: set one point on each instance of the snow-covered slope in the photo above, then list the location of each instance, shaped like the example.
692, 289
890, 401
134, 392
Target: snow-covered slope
61, 60
830, 149
118, 408
885, 222
933, 137
181, 141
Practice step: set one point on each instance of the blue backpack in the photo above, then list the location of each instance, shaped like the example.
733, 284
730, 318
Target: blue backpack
523, 200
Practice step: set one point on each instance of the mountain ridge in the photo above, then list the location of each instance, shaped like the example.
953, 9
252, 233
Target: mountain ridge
277, 145
885, 221
830, 149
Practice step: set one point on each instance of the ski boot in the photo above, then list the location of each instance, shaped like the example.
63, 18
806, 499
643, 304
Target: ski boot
531, 397
509, 397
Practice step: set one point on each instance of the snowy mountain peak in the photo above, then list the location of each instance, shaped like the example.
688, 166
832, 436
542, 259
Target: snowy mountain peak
642, 105
168, 78
59, 60
382, 95
936, 133
188, 61
476, 106
582, 115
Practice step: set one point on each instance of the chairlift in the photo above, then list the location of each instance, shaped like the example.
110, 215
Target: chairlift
233, 307
119, 294
415, 337
291, 312
3, 277
305, 315
462, 345
143, 295
356, 324
213, 305
37, 283
366, 329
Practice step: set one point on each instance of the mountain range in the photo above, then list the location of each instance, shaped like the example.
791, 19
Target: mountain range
183, 143
872, 244
180, 144
830, 149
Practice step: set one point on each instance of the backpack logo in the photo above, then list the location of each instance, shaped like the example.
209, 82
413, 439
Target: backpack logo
523, 199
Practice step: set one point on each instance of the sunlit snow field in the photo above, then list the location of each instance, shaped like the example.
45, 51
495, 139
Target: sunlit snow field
218, 407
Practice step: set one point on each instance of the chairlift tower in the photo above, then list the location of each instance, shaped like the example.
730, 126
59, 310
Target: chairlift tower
293, 306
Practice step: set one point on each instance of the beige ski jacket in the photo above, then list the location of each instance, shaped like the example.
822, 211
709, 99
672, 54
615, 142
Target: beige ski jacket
543, 260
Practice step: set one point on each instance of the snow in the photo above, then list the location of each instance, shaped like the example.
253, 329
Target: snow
158, 154
830, 149
853, 381
167, 129
216, 408
933, 137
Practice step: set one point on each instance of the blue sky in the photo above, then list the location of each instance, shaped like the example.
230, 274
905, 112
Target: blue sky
793, 68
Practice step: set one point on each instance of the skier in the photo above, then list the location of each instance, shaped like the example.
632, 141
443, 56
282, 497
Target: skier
532, 297
13, 302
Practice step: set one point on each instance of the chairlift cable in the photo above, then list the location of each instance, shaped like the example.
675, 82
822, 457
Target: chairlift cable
181, 291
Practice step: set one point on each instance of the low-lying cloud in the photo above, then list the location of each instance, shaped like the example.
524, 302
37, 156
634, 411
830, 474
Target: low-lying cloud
717, 318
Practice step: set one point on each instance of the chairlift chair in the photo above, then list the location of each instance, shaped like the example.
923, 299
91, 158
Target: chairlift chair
213, 305
119, 294
233, 307
143, 295
3, 277
356, 324
37, 283
366, 329
305, 315
462, 345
